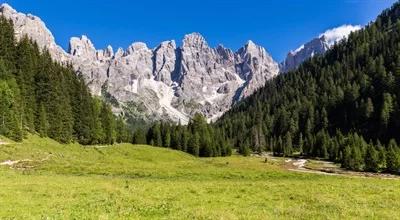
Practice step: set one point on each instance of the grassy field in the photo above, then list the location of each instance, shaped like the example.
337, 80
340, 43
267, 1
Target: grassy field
53, 181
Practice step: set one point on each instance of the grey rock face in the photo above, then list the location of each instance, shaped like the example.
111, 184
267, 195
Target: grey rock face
203, 71
255, 66
165, 62
167, 82
90, 63
34, 28
317, 46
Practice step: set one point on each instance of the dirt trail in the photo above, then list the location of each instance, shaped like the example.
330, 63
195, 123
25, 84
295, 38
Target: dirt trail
300, 167
328, 168
12, 163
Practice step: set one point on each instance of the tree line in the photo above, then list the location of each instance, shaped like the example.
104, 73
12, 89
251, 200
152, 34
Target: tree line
197, 138
38, 95
342, 106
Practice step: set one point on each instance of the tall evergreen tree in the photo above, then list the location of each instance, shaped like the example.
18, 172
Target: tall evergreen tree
139, 137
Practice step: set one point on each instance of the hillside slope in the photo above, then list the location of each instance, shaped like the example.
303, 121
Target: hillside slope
332, 105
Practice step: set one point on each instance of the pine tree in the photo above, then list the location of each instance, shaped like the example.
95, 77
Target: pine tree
381, 156
98, 131
107, 122
300, 144
346, 157
6, 102
26, 59
9, 115
121, 130
244, 150
194, 144
393, 157
7, 41
387, 109
325, 121
139, 137
185, 136
357, 161
372, 159
167, 138
43, 123
369, 108
287, 146
176, 141
156, 136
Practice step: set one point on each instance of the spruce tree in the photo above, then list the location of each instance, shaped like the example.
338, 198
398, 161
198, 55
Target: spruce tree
107, 122
139, 137
194, 144
372, 159
393, 157
287, 146
167, 138
156, 136
43, 123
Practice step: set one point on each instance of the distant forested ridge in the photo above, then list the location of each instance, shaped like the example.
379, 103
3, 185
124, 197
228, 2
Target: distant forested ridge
40, 96
343, 106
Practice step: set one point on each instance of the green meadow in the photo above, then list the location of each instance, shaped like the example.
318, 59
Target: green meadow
47, 180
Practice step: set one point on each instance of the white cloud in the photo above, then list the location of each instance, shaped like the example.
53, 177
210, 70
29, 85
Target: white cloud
336, 34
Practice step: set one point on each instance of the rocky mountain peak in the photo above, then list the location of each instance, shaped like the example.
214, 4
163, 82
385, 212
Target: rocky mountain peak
109, 52
168, 44
316, 46
136, 47
194, 40
34, 28
250, 45
120, 52
82, 47
256, 67
250, 48
6, 8
165, 58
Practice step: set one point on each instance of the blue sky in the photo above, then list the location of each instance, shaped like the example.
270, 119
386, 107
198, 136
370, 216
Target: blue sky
278, 25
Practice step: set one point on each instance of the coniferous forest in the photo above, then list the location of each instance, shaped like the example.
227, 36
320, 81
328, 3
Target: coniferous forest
40, 96
343, 106
197, 138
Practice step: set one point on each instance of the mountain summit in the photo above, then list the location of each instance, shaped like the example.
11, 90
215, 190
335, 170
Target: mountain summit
317, 46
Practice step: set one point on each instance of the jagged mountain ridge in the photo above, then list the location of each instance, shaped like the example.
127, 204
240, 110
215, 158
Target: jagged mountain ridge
167, 82
316, 46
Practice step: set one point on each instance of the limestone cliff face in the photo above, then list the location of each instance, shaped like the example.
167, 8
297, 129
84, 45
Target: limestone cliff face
32, 26
167, 82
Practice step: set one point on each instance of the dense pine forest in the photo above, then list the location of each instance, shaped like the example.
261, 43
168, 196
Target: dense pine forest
343, 106
40, 96
197, 138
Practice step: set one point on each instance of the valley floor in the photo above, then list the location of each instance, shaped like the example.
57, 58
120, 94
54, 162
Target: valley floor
45, 180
